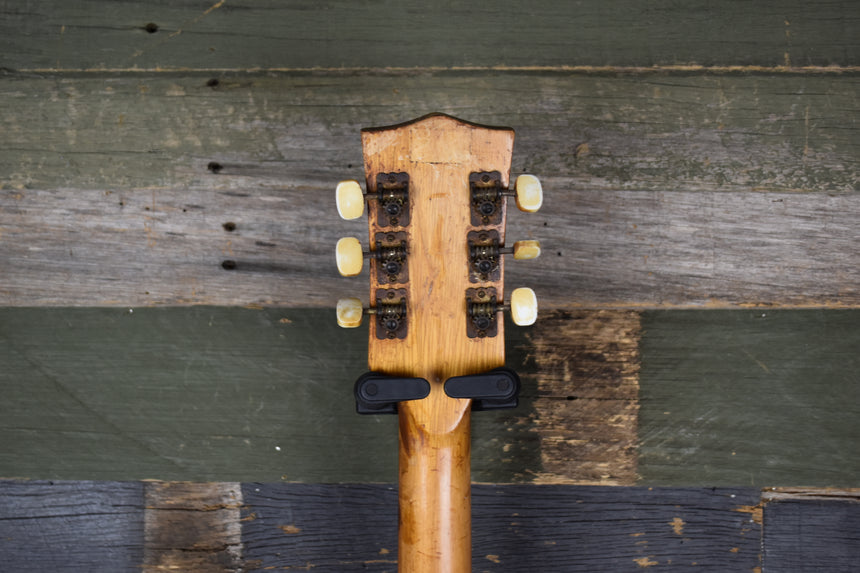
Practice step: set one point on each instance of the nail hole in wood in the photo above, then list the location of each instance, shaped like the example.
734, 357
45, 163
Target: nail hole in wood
228, 265
151, 28
213, 83
229, 226
214, 167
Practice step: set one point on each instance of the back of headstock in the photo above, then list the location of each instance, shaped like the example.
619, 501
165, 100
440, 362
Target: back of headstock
436, 198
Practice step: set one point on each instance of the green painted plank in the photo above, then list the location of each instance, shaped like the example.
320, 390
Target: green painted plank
758, 397
301, 131
223, 34
206, 394
210, 393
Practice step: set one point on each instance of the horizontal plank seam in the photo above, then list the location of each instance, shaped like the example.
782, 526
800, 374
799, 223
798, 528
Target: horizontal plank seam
643, 70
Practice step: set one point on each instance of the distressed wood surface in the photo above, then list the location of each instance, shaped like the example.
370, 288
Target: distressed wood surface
163, 190
300, 131
725, 391
811, 530
117, 526
208, 393
71, 526
95, 35
267, 247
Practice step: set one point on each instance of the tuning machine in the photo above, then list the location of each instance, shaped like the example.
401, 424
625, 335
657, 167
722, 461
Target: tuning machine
390, 255
482, 308
391, 198
390, 313
487, 195
485, 253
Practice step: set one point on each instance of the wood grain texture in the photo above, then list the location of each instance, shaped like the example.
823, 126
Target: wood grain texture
94, 35
207, 393
438, 153
587, 371
811, 530
517, 528
71, 526
724, 391
192, 527
299, 131
653, 199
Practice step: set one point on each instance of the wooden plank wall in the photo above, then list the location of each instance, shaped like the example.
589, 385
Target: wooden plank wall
167, 226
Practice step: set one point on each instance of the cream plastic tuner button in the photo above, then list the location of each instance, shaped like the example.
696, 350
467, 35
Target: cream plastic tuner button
350, 199
349, 312
524, 250
350, 257
529, 193
524, 306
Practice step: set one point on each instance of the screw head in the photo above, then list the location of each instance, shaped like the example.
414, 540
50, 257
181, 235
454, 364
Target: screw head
487, 208
371, 389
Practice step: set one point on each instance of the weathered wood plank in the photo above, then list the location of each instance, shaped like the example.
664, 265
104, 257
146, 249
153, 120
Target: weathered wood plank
725, 392
637, 212
333, 34
601, 248
656, 132
811, 530
203, 393
192, 527
71, 526
213, 394
515, 528
587, 372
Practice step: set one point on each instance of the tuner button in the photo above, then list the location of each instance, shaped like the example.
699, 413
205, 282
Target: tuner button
529, 193
524, 306
349, 312
349, 256
524, 250
350, 199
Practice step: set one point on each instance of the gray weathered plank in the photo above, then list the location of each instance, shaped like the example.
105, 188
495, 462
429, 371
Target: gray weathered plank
725, 392
658, 132
94, 35
109, 200
600, 248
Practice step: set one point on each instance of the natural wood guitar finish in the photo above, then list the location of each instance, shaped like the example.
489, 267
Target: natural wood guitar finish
438, 153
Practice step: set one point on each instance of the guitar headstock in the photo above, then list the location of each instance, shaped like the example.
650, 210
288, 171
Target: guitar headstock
436, 198
436, 204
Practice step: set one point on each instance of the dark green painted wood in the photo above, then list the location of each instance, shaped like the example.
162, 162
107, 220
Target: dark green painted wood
301, 131
203, 393
207, 393
758, 397
334, 34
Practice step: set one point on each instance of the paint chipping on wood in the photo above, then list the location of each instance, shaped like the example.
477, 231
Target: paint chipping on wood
755, 511
290, 529
192, 527
645, 561
588, 365
677, 525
